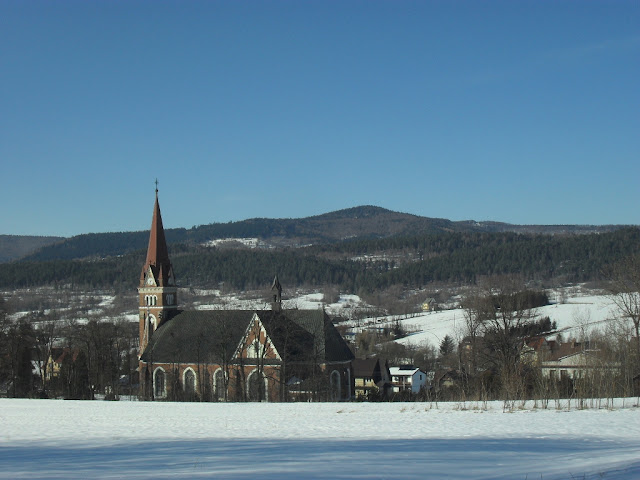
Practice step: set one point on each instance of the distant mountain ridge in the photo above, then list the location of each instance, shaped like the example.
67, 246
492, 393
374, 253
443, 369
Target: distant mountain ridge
18, 246
366, 222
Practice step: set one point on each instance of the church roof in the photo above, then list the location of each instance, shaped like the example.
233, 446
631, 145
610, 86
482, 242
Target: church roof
198, 336
211, 336
330, 346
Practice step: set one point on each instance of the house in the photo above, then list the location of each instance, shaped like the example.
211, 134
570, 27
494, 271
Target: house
372, 378
242, 355
573, 360
447, 380
429, 305
56, 359
407, 378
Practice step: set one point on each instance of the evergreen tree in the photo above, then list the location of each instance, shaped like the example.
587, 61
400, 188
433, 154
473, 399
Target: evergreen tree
446, 346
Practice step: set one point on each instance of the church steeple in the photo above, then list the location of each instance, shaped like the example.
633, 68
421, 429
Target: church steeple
157, 290
158, 262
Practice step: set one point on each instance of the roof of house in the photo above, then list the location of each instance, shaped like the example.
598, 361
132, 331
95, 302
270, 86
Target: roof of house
536, 343
364, 367
399, 371
563, 350
440, 375
65, 353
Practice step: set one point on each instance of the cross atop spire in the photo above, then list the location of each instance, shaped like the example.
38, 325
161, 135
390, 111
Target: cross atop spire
156, 187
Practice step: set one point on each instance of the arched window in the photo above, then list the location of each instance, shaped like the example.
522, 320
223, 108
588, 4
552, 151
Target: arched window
189, 382
150, 300
218, 384
151, 326
159, 383
335, 387
257, 387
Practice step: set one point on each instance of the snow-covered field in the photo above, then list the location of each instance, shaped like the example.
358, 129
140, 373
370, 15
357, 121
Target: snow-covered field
73, 439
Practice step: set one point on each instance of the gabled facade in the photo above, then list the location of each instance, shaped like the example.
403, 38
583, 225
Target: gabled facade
407, 378
233, 355
372, 377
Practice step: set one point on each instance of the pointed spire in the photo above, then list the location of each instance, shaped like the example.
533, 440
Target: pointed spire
157, 251
276, 290
276, 285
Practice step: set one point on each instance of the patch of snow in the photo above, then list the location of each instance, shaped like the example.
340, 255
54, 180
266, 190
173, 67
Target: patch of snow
247, 242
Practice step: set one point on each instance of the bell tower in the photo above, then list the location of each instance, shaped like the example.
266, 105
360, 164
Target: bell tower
157, 289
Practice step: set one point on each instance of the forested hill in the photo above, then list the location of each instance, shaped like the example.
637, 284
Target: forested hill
365, 222
18, 246
354, 266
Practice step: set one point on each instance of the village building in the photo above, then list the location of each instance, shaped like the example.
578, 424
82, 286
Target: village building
429, 305
274, 354
407, 378
372, 378
574, 360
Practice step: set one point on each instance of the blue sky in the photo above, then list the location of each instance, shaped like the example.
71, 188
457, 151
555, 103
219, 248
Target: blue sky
524, 112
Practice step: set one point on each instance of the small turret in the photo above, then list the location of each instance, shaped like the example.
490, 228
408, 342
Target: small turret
276, 291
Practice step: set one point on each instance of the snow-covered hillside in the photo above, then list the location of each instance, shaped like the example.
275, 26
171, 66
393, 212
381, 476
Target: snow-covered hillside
579, 314
46, 439
578, 310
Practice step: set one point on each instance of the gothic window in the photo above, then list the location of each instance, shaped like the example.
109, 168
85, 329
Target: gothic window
335, 385
159, 382
218, 384
189, 382
151, 325
257, 387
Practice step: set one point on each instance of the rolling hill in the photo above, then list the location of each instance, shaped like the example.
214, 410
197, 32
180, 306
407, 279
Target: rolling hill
364, 222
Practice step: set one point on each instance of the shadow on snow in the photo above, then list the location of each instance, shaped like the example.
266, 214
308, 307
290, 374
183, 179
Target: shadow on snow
508, 458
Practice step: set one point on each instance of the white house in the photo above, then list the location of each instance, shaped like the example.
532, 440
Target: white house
573, 360
407, 378
576, 365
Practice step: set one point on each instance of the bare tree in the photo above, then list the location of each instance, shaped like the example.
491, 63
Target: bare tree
222, 351
477, 309
497, 317
46, 335
624, 287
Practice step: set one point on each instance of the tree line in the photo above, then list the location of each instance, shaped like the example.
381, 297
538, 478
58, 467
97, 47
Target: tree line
43, 356
411, 262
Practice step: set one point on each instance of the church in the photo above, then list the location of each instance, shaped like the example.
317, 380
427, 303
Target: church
269, 355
